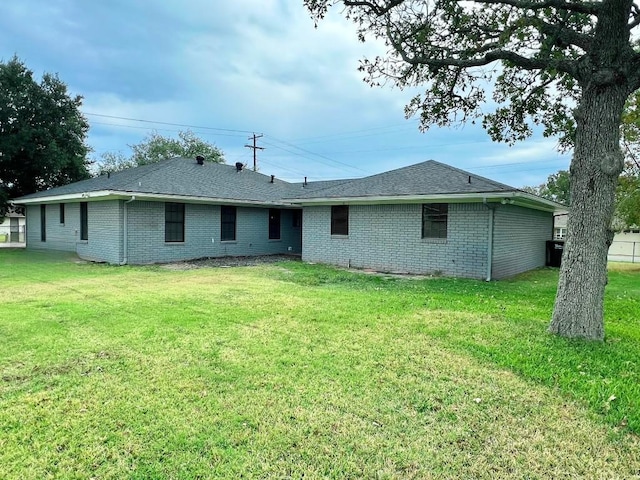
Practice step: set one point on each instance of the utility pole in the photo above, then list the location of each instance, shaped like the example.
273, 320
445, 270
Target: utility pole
255, 148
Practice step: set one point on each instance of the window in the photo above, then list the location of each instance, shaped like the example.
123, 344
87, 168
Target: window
274, 224
62, 213
227, 223
559, 233
296, 218
43, 223
84, 221
174, 222
434, 220
340, 220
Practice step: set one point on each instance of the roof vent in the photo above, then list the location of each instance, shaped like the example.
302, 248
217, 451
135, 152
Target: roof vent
272, 178
239, 166
305, 182
200, 160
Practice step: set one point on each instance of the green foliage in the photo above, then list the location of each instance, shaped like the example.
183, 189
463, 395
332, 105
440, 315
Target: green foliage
154, 148
531, 54
42, 133
295, 370
628, 197
556, 188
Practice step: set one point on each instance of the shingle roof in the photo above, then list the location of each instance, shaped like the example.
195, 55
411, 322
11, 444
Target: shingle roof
212, 181
183, 176
426, 178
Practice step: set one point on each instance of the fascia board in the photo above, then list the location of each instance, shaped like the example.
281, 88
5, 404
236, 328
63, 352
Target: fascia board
121, 195
513, 197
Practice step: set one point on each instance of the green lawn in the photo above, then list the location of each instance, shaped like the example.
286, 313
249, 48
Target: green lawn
294, 370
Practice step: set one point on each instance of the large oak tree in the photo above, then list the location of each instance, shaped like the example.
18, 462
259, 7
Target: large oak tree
42, 133
567, 65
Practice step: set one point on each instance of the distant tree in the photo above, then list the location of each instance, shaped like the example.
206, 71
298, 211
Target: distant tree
556, 188
154, 147
566, 65
42, 133
628, 198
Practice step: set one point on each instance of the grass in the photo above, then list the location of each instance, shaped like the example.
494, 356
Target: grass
295, 370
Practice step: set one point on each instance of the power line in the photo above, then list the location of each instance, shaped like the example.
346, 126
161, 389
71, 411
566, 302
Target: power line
165, 129
314, 154
166, 123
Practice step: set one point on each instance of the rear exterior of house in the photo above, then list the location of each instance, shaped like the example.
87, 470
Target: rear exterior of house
158, 232
428, 218
398, 238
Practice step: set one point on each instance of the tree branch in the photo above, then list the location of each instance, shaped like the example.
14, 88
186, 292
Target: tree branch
588, 8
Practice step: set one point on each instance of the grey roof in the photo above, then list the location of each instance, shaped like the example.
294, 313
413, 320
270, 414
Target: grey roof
212, 181
426, 178
183, 176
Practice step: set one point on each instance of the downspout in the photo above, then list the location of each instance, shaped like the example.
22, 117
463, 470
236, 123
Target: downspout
125, 242
490, 238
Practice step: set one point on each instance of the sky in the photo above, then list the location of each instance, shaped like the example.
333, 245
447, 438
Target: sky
229, 69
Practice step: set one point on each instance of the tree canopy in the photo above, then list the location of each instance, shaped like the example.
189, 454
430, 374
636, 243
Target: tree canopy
566, 66
42, 133
556, 188
155, 147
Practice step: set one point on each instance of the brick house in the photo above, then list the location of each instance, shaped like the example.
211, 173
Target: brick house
425, 218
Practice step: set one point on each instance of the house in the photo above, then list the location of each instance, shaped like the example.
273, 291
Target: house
174, 210
12, 228
425, 218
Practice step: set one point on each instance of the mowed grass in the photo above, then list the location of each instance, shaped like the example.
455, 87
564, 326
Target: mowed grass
294, 370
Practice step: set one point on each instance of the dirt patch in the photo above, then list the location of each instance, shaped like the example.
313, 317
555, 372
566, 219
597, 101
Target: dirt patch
225, 262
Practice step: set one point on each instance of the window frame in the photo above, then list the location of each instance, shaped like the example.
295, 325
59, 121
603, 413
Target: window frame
296, 218
275, 224
84, 221
340, 220
228, 217
43, 223
174, 215
559, 233
434, 217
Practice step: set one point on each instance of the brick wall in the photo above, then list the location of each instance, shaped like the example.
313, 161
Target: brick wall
519, 240
104, 242
388, 238
202, 233
60, 236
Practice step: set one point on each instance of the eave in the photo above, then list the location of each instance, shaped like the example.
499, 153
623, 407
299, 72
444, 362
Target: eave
518, 198
103, 195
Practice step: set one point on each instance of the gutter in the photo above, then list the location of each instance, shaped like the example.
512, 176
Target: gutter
518, 198
125, 236
490, 237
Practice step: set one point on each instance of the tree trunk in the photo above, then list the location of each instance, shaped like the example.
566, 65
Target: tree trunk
594, 171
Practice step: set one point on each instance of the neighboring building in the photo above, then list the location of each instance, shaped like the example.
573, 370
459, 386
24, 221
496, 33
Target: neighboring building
625, 246
12, 228
560, 225
428, 218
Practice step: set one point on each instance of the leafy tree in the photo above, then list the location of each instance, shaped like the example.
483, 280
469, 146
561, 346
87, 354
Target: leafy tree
155, 147
566, 65
556, 188
42, 133
628, 198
